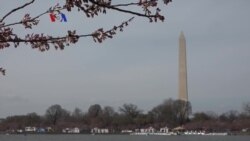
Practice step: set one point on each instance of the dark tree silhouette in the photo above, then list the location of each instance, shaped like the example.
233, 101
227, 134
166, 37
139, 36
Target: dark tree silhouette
163, 113
246, 108
89, 8
169, 113
182, 110
130, 110
95, 110
172, 112
54, 113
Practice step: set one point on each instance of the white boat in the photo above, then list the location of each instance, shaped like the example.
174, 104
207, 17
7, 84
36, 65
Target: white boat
156, 133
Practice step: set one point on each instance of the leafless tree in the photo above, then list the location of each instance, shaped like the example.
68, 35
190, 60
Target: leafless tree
130, 110
182, 110
246, 108
90, 8
77, 114
54, 113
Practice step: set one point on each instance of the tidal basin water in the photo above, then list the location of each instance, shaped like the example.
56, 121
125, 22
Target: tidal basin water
119, 138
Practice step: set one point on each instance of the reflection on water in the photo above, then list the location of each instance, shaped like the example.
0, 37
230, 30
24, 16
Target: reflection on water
119, 138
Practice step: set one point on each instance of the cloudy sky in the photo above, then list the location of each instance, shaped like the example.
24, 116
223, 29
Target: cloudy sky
139, 66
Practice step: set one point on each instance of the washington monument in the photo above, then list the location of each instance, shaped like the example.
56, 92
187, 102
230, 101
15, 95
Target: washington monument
183, 91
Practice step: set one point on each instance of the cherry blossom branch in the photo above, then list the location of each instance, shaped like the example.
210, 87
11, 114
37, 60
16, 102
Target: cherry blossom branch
34, 18
42, 42
137, 3
2, 71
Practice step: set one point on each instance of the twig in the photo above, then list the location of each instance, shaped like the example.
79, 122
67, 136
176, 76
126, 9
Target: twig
127, 4
36, 17
114, 7
18, 8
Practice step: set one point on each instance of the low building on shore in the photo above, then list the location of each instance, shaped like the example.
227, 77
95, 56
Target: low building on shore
75, 130
99, 130
30, 129
164, 130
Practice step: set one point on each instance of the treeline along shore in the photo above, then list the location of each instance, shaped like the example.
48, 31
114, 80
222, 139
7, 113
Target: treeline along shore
171, 114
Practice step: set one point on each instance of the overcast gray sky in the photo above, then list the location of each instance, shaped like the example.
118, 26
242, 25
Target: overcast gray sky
139, 66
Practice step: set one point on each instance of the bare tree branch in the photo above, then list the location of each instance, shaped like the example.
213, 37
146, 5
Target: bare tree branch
16, 9
115, 7
126, 4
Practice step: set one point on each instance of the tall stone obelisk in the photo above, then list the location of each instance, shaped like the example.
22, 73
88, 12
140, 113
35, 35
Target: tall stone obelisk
183, 91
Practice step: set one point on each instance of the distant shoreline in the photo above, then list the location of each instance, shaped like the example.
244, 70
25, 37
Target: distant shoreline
214, 134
